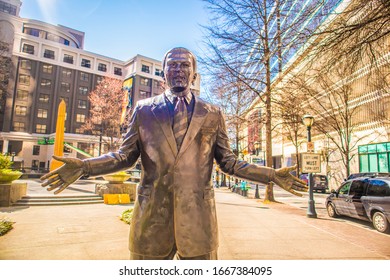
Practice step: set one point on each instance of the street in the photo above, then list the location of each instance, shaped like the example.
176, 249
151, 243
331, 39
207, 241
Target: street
249, 229
302, 204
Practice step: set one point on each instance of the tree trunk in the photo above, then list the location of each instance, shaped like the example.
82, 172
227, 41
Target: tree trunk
269, 193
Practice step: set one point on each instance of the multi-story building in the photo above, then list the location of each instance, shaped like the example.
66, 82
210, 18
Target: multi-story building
287, 21
359, 92
49, 63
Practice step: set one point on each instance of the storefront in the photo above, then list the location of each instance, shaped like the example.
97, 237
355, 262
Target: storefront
374, 157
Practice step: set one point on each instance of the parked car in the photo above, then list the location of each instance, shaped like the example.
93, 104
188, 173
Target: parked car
363, 198
319, 181
368, 174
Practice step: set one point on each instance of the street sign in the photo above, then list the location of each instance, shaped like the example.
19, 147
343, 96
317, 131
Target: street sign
310, 147
46, 141
311, 163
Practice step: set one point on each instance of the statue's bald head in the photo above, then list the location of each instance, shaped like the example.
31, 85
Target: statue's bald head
181, 50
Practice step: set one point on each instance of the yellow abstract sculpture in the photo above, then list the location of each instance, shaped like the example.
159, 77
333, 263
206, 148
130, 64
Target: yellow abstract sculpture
59, 138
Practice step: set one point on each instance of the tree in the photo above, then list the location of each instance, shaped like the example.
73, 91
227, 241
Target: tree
105, 113
345, 61
359, 31
288, 109
230, 94
5, 66
248, 40
331, 97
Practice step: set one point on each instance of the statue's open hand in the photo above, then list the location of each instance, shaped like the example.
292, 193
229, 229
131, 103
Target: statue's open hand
288, 182
63, 176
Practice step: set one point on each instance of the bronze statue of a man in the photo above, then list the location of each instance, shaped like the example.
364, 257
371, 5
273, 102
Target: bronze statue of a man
178, 136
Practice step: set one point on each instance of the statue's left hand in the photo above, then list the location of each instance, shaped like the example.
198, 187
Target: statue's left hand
63, 176
285, 180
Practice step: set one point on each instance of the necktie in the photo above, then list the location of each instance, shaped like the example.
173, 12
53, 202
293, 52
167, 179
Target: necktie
180, 121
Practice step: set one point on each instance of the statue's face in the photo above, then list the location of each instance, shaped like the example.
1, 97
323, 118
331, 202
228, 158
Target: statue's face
178, 70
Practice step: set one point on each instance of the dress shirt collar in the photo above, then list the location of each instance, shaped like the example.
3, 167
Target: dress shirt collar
171, 96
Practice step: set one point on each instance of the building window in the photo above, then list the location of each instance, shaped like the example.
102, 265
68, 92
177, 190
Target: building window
157, 72
79, 130
66, 100
28, 49
31, 31
68, 58
158, 84
48, 54
86, 63
35, 164
45, 83
65, 87
82, 104
118, 71
20, 110
7, 8
144, 94
25, 64
44, 98
83, 90
36, 150
102, 67
99, 79
42, 114
53, 37
46, 68
80, 118
22, 94
144, 81
24, 79
66, 73
145, 68
40, 128
374, 157
19, 126
84, 76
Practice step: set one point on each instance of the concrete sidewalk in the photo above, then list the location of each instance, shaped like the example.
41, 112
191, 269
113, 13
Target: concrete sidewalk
249, 230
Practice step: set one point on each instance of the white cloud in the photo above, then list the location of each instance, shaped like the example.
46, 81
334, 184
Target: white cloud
49, 10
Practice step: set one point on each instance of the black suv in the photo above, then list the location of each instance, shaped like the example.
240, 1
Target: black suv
319, 182
363, 198
368, 174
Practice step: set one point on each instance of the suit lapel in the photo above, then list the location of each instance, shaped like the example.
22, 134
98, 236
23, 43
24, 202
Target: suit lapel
198, 117
161, 113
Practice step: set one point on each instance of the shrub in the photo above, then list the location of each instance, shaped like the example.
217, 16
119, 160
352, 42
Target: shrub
127, 215
5, 161
5, 226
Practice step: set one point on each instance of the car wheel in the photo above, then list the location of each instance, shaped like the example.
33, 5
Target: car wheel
380, 222
331, 210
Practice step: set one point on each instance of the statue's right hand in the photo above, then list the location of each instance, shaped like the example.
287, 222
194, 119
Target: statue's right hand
63, 176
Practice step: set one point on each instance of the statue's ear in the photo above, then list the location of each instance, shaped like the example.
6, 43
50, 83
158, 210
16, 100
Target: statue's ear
194, 78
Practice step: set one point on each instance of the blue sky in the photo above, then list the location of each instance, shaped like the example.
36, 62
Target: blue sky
123, 28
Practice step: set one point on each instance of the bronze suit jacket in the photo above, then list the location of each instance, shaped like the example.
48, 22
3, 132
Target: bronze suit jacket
175, 203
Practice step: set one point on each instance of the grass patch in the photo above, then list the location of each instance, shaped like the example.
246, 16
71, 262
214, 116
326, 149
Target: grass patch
127, 215
5, 226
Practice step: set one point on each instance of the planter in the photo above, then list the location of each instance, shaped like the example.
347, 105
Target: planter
7, 176
116, 178
10, 193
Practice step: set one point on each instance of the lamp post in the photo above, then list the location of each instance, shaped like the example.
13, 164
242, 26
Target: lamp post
308, 121
257, 147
